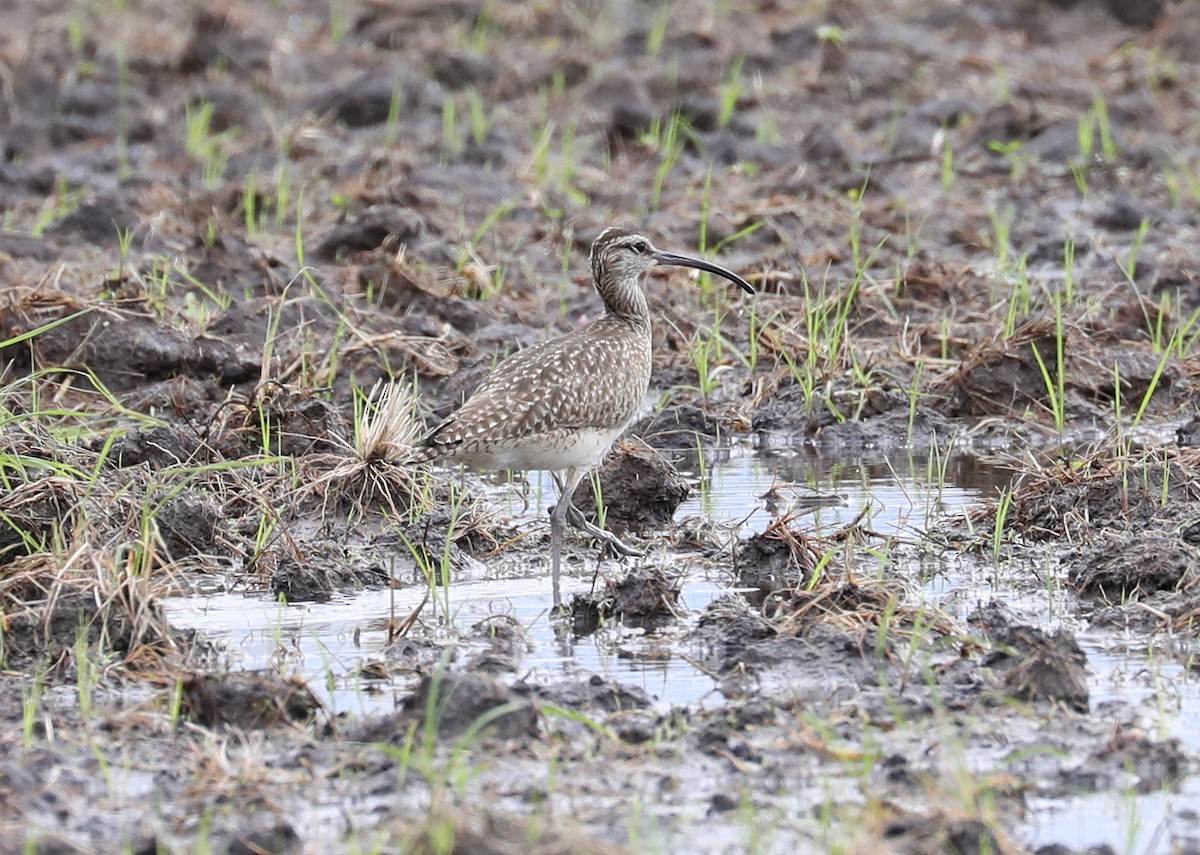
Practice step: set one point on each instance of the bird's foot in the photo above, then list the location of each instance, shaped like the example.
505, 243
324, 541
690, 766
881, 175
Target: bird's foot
576, 518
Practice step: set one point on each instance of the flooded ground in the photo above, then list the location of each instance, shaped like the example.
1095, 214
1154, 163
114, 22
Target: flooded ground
921, 515
330, 643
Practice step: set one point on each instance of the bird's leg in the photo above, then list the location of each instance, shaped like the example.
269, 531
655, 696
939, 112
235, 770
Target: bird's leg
576, 518
557, 517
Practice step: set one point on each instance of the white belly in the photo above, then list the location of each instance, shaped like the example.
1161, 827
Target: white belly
553, 451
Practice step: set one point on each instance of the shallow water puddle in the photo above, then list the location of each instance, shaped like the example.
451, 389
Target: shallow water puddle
1167, 697
326, 643
1149, 687
903, 496
1126, 821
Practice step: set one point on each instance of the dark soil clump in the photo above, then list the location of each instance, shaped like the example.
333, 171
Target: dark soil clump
780, 558
452, 703
1035, 666
595, 693
640, 490
679, 428
641, 598
246, 700
1120, 565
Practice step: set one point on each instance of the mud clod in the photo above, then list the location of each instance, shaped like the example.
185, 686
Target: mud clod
641, 490
506, 643
1038, 667
189, 524
452, 703
779, 558
158, 447
1155, 765
596, 693
1120, 565
125, 350
643, 597
679, 428
247, 700
290, 422
370, 230
279, 839
318, 573
936, 834
492, 833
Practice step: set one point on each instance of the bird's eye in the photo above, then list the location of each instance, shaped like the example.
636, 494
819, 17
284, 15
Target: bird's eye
640, 247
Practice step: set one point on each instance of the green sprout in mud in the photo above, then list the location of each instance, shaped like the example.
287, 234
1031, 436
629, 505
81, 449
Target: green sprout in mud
175, 704
338, 17
598, 492
669, 141
1003, 506
251, 209
1108, 144
31, 701
936, 466
709, 293
86, 676
914, 396
1182, 182
948, 170
1069, 270
212, 231
831, 34
497, 214
1017, 159
481, 124
1129, 268
658, 31
438, 571
391, 125
766, 124
418, 750
1020, 298
452, 142
124, 244
827, 334
283, 184
1002, 218
58, 207
727, 241
706, 359
754, 344
1092, 124
206, 146
557, 170
731, 91
924, 624
1151, 388
1055, 379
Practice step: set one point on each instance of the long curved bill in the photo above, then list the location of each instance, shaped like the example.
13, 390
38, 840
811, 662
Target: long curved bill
678, 260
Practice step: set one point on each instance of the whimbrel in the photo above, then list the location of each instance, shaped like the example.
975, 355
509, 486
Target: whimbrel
560, 405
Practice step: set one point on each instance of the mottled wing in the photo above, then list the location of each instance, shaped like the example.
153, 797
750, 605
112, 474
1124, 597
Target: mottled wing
588, 379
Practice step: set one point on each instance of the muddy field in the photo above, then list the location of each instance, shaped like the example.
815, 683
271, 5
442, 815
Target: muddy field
922, 515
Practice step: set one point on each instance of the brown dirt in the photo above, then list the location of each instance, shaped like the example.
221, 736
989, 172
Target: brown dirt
221, 225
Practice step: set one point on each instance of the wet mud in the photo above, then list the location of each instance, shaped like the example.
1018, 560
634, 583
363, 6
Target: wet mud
972, 231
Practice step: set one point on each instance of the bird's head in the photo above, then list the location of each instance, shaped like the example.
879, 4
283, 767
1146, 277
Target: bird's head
620, 256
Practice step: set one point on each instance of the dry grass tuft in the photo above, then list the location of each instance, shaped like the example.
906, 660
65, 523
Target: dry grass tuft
389, 428
49, 599
377, 471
